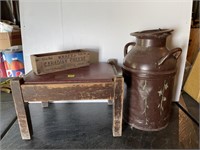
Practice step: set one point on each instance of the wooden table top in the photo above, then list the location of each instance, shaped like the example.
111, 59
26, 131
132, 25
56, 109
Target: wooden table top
99, 72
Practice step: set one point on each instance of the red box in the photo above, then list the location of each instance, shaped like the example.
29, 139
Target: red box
2, 67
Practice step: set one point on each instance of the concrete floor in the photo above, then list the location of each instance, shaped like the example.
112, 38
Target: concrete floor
89, 126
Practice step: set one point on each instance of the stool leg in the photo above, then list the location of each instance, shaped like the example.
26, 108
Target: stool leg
22, 110
45, 104
110, 102
118, 106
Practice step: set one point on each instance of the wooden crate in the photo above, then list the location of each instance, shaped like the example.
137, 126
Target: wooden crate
58, 61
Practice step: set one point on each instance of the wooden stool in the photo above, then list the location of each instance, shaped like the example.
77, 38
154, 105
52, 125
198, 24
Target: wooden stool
97, 81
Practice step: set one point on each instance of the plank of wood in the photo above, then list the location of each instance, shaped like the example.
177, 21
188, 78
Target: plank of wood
188, 133
71, 91
118, 106
22, 110
99, 72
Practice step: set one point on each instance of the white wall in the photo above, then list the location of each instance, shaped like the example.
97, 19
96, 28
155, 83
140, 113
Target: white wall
103, 25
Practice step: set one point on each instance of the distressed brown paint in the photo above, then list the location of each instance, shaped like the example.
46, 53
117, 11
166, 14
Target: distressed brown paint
118, 106
73, 91
97, 81
149, 69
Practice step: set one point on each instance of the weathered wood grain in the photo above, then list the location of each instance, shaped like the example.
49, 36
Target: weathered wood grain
22, 110
59, 61
79, 89
118, 106
70, 91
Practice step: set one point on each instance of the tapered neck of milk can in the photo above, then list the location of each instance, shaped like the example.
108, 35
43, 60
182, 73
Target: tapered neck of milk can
156, 42
152, 38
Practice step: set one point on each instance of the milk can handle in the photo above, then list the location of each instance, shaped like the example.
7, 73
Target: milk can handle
126, 47
176, 52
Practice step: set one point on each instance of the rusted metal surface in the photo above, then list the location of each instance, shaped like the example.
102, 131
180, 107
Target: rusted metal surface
147, 105
21, 109
149, 69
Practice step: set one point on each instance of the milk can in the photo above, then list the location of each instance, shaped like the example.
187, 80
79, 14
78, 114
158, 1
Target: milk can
149, 69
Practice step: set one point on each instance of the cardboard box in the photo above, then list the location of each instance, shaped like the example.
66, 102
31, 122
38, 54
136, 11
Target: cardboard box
8, 39
192, 85
59, 61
